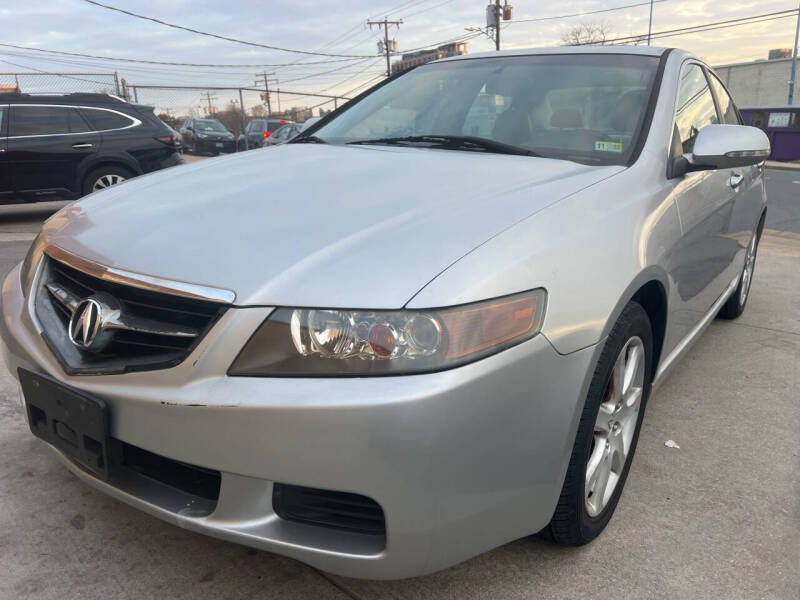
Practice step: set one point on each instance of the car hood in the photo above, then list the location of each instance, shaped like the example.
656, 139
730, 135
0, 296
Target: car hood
315, 225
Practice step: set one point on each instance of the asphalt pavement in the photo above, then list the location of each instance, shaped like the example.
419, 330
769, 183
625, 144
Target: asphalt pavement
718, 517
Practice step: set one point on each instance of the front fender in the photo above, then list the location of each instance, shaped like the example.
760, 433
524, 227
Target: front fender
591, 252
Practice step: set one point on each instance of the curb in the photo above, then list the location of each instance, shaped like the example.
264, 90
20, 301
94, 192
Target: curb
783, 166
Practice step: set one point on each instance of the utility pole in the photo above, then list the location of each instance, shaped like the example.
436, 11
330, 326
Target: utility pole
650, 24
494, 13
266, 90
387, 46
209, 97
794, 58
244, 124
497, 10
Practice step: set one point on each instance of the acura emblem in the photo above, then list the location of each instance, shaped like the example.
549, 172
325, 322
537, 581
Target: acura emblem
86, 326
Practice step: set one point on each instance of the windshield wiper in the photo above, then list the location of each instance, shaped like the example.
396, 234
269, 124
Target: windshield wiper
309, 139
451, 142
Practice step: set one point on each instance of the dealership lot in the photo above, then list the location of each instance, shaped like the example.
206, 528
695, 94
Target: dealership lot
715, 518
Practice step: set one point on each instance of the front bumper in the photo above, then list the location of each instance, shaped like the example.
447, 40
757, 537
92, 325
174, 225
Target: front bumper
215, 145
460, 461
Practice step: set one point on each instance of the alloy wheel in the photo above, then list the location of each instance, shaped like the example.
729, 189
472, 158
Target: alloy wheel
615, 426
749, 267
105, 181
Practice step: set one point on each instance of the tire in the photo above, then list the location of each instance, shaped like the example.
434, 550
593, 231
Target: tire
580, 516
104, 177
736, 304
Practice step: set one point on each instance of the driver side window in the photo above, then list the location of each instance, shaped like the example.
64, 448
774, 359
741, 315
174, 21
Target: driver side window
695, 107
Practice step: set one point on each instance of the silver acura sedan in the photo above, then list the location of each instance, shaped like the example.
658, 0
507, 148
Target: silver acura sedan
427, 326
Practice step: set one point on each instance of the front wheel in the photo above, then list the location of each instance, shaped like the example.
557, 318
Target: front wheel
607, 433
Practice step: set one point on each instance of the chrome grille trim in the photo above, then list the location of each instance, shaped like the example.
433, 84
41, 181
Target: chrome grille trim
123, 322
192, 291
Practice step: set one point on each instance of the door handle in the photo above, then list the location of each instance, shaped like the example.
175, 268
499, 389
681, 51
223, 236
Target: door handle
81, 146
2, 150
736, 180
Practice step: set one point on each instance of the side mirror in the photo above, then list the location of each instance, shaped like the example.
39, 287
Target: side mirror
727, 146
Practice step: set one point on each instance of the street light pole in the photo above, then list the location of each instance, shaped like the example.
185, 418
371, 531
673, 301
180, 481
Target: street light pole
650, 24
794, 57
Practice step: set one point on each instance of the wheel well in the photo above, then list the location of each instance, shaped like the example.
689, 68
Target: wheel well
101, 165
761, 221
653, 299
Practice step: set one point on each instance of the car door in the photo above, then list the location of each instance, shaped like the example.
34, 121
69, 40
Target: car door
187, 133
701, 264
748, 197
5, 185
242, 142
46, 146
256, 136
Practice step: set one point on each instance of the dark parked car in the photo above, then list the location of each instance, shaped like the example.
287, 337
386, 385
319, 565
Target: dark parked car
258, 131
66, 146
283, 135
206, 135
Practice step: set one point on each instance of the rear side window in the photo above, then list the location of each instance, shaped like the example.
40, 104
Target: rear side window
47, 120
726, 107
695, 106
103, 120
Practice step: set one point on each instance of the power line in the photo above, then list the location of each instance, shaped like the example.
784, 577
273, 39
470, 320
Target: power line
402, 6
64, 75
369, 66
584, 13
177, 64
764, 17
430, 8
218, 36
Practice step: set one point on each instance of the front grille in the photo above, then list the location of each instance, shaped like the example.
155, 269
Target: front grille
340, 510
128, 350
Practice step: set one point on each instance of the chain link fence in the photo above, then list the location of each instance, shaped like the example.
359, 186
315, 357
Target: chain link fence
60, 83
233, 106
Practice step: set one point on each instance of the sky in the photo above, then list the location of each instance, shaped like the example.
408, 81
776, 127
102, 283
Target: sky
330, 27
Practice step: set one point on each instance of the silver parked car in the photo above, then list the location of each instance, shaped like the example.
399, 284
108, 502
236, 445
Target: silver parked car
429, 328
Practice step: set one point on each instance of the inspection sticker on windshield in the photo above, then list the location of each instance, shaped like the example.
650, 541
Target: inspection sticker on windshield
608, 146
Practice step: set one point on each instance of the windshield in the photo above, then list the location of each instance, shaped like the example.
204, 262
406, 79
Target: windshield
587, 108
208, 125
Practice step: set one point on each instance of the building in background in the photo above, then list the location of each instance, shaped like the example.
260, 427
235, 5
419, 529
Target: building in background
412, 59
760, 82
298, 114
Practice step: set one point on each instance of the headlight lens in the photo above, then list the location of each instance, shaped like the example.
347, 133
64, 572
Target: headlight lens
330, 342
31, 262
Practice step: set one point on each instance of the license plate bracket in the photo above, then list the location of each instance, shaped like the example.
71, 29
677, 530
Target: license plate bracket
74, 422
220, 144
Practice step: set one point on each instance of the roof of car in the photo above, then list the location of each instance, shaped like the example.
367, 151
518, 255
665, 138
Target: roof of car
83, 98
598, 49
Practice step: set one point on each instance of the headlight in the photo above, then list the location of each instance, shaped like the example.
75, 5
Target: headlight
330, 342
31, 262
202, 136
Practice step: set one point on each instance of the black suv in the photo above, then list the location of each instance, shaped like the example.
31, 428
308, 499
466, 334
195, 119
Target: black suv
257, 132
63, 147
